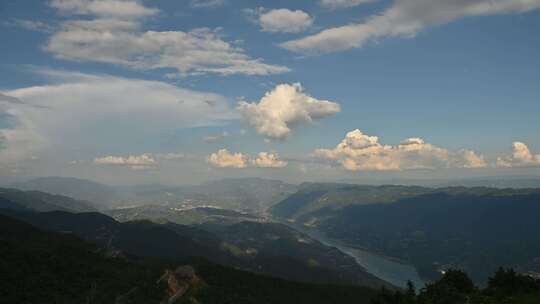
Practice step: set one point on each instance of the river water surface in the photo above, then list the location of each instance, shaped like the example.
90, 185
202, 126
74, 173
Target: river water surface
382, 267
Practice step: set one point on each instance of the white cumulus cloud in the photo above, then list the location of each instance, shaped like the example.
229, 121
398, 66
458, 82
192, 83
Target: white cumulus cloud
136, 162
225, 159
358, 151
471, 160
404, 18
282, 20
284, 107
521, 157
268, 160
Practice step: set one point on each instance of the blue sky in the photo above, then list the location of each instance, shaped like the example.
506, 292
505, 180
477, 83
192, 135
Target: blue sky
135, 91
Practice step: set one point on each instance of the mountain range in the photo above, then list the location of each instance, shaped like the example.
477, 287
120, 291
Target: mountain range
253, 195
474, 229
235, 222
267, 248
41, 266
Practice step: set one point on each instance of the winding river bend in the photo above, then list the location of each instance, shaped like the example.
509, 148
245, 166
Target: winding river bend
384, 268
391, 271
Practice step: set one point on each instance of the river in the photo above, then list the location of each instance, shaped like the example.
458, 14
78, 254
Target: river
384, 268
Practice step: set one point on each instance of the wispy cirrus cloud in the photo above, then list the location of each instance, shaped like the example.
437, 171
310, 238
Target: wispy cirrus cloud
207, 3
216, 138
403, 18
112, 32
31, 25
338, 4
130, 9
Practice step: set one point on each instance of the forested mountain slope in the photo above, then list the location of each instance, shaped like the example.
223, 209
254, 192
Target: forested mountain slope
475, 229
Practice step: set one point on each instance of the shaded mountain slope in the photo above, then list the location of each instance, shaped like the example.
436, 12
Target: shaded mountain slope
45, 267
171, 241
474, 229
257, 243
183, 216
280, 250
314, 196
76, 188
41, 201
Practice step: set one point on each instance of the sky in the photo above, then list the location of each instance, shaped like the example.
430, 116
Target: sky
184, 91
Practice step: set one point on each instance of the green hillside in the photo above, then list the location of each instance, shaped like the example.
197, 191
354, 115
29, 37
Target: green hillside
474, 229
287, 254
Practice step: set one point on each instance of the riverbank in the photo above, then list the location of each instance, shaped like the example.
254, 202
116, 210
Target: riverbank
390, 270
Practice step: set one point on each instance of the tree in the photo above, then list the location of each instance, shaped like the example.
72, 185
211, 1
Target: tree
506, 282
453, 288
410, 293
